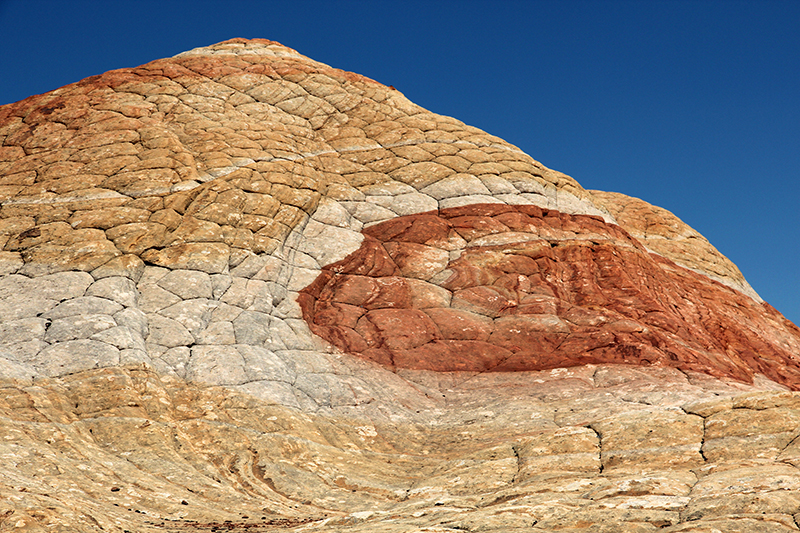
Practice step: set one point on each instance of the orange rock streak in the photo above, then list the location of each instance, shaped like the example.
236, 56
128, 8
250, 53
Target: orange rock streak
532, 289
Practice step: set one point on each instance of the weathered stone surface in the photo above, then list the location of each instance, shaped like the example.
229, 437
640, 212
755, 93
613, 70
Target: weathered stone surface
115, 288
168, 332
757, 434
242, 290
211, 258
75, 354
566, 449
658, 439
666, 234
129, 266
494, 464
77, 327
560, 290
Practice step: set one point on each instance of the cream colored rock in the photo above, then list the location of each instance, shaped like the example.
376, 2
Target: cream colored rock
567, 449
659, 439
485, 457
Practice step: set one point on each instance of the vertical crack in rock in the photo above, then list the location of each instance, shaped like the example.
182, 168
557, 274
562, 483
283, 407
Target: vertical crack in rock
794, 441
515, 449
703, 442
599, 437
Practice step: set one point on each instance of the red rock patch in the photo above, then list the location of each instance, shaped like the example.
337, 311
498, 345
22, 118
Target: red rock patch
514, 288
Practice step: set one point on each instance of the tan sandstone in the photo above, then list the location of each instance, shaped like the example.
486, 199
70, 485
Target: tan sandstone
241, 290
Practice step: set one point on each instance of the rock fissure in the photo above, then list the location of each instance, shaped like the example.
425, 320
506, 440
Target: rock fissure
599, 437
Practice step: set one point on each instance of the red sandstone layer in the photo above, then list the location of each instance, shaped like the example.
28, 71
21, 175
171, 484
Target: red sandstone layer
64, 105
513, 288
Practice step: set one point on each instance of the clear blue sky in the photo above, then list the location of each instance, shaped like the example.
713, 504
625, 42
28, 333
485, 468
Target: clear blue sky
691, 105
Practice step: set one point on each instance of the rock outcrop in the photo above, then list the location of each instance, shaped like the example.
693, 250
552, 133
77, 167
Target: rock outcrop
243, 290
533, 289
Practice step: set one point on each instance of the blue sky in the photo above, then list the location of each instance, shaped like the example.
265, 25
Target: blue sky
691, 105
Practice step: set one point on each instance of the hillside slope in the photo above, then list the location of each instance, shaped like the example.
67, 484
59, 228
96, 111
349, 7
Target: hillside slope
243, 290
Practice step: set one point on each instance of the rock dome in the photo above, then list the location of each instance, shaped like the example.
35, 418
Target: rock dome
242, 289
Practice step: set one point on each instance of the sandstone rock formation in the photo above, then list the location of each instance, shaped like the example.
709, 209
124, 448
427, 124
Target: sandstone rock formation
243, 290
529, 289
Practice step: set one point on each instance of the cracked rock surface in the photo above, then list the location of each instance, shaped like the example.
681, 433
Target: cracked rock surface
242, 290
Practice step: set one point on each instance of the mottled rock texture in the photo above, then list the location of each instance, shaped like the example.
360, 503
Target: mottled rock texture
532, 289
242, 290
667, 235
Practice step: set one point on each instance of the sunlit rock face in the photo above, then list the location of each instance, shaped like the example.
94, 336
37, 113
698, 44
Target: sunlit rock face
488, 287
243, 290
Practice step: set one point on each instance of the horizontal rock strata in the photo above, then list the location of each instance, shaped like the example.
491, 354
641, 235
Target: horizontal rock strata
596, 448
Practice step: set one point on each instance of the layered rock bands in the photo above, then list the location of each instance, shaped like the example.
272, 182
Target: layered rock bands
241, 290
507, 288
